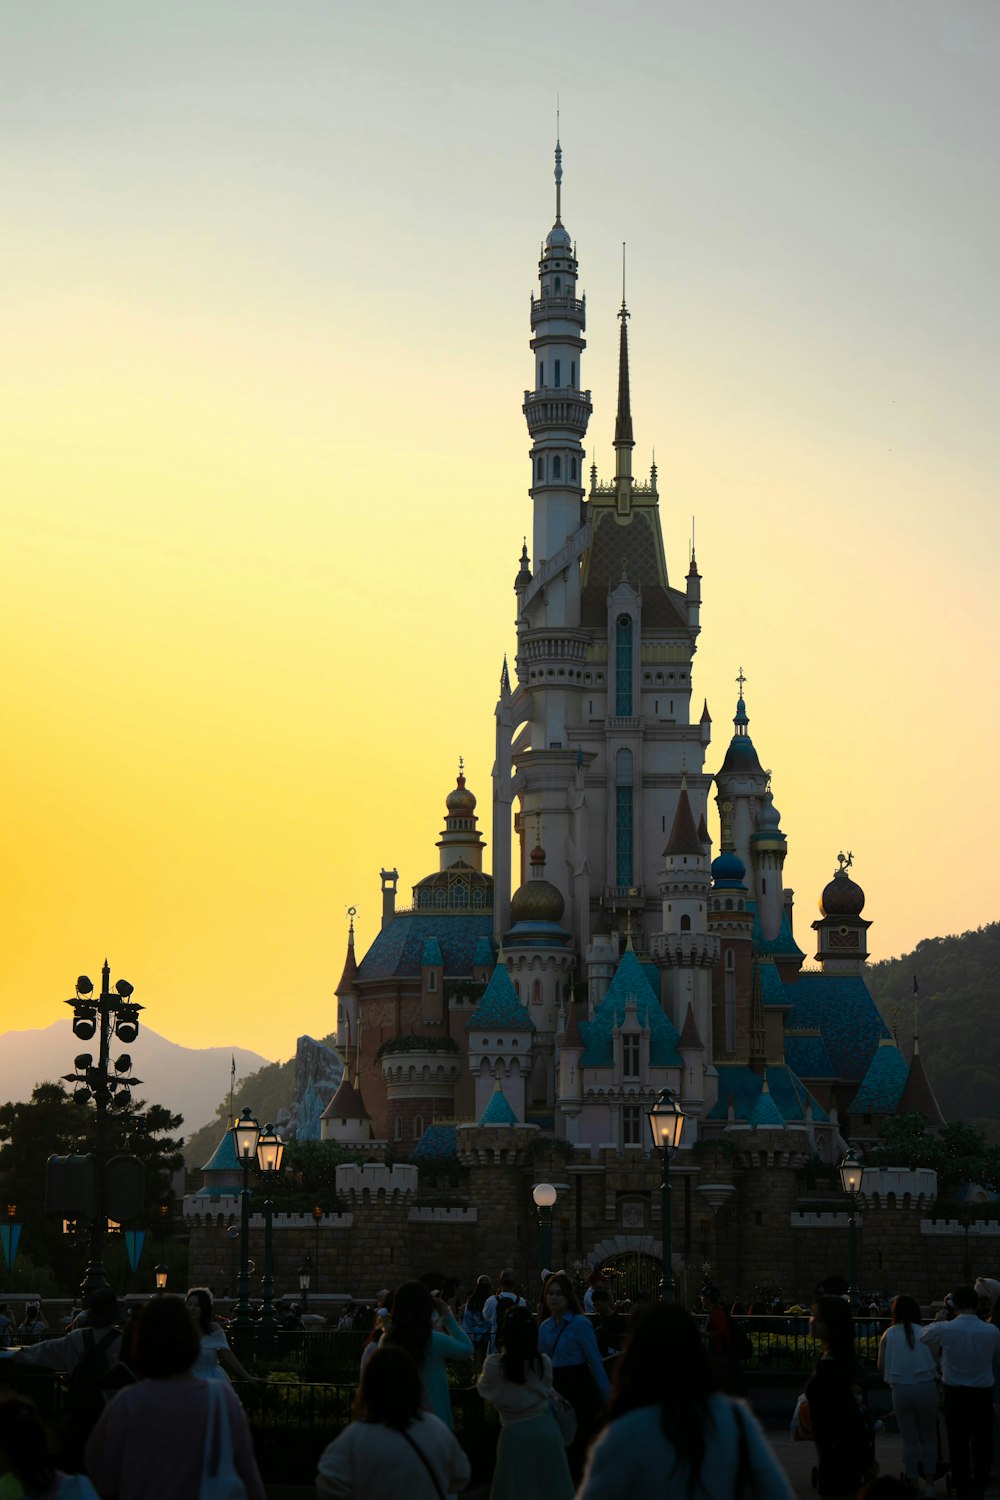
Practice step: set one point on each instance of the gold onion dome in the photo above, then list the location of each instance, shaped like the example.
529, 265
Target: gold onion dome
460, 803
843, 897
537, 900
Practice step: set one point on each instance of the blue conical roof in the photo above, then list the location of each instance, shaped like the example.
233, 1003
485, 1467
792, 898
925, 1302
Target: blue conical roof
883, 1084
500, 1009
765, 1112
484, 953
630, 984
431, 956
499, 1111
224, 1157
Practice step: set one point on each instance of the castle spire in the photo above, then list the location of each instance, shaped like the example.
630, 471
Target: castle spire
624, 441
558, 174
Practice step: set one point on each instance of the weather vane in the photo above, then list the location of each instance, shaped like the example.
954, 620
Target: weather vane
845, 861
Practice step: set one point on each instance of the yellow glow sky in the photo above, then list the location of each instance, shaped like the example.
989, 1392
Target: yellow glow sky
264, 280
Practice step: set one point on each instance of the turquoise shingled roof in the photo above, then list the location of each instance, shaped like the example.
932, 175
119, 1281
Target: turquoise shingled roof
843, 1010
500, 1009
782, 946
807, 1056
765, 1112
438, 1143
499, 1110
630, 983
484, 953
883, 1084
224, 1158
431, 955
771, 988
788, 1093
398, 949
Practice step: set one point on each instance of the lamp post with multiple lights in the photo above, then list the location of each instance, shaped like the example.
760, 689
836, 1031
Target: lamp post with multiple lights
102, 1015
246, 1134
666, 1125
850, 1180
270, 1155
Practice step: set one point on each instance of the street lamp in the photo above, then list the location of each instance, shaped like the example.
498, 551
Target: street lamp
666, 1125
850, 1180
545, 1196
109, 1085
161, 1273
305, 1277
270, 1154
246, 1134
317, 1214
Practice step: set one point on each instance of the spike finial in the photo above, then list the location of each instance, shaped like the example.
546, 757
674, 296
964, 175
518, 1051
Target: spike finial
559, 172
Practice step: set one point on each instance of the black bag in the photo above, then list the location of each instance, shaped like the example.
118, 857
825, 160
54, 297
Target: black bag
84, 1398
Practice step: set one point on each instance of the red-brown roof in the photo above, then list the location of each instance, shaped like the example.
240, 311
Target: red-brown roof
346, 1104
918, 1096
571, 1036
350, 967
684, 837
690, 1041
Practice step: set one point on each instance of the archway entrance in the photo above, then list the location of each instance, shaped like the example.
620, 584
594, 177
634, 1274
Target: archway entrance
633, 1272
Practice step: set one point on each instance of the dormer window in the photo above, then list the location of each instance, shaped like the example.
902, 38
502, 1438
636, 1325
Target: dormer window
630, 1056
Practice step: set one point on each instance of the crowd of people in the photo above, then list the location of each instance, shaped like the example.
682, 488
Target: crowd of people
595, 1399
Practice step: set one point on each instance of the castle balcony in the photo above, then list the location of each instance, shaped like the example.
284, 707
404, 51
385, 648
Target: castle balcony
557, 409
624, 898
684, 950
557, 656
561, 309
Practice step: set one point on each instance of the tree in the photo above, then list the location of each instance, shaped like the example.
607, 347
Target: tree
958, 1153
54, 1124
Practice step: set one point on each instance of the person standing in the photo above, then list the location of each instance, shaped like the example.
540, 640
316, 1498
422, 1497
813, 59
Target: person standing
412, 1330
969, 1351
531, 1459
495, 1306
910, 1370
474, 1319
578, 1373
841, 1430
671, 1433
216, 1361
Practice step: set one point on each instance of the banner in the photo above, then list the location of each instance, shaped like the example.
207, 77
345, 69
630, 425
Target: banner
10, 1238
133, 1245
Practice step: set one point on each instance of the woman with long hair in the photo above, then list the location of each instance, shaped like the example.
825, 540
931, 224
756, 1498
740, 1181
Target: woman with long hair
393, 1447
475, 1322
25, 1466
910, 1370
531, 1460
840, 1426
154, 1439
216, 1361
671, 1433
411, 1328
578, 1372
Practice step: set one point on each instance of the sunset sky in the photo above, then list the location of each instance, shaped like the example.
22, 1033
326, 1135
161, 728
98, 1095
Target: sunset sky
264, 276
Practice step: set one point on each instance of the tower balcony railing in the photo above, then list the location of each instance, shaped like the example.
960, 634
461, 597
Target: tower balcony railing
624, 897
684, 950
572, 309
557, 407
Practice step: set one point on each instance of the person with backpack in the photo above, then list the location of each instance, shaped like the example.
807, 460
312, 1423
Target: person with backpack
495, 1306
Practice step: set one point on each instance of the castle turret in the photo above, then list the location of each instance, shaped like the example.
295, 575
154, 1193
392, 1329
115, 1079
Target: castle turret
843, 944
347, 1001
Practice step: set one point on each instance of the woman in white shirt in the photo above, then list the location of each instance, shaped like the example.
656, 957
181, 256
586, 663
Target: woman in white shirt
392, 1448
909, 1368
216, 1361
531, 1459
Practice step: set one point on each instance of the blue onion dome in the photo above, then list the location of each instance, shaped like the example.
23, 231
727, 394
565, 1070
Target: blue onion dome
728, 868
843, 897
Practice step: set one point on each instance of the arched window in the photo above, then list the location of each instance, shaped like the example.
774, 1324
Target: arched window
623, 665
572, 373
540, 471
536, 992
558, 285
685, 924
432, 981
623, 817
729, 1008
418, 1127
399, 1128
557, 467
478, 898
572, 468
460, 895
441, 897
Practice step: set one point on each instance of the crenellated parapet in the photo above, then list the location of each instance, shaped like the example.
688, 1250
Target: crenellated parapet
495, 1145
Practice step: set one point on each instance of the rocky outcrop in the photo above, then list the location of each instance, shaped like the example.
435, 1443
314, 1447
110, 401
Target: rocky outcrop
318, 1071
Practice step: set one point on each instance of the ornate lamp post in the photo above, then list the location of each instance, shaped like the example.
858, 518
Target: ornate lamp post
246, 1134
101, 1016
305, 1277
666, 1125
850, 1181
545, 1196
161, 1273
270, 1154
317, 1214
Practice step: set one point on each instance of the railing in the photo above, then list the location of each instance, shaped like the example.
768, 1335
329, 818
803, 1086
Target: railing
574, 308
784, 1343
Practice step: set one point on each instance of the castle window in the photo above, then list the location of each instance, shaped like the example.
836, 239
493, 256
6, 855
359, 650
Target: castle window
441, 897
540, 470
536, 992
399, 1128
460, 895
729, 1010
623, 817
572, 468
631, 1134
623, 666
572, 374
432, 981
557, 467
541, 375
685, 924
418, 1127
557, 381
729, 904
630, 1056
558, 284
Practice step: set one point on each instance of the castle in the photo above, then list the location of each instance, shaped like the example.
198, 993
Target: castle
511, 1034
